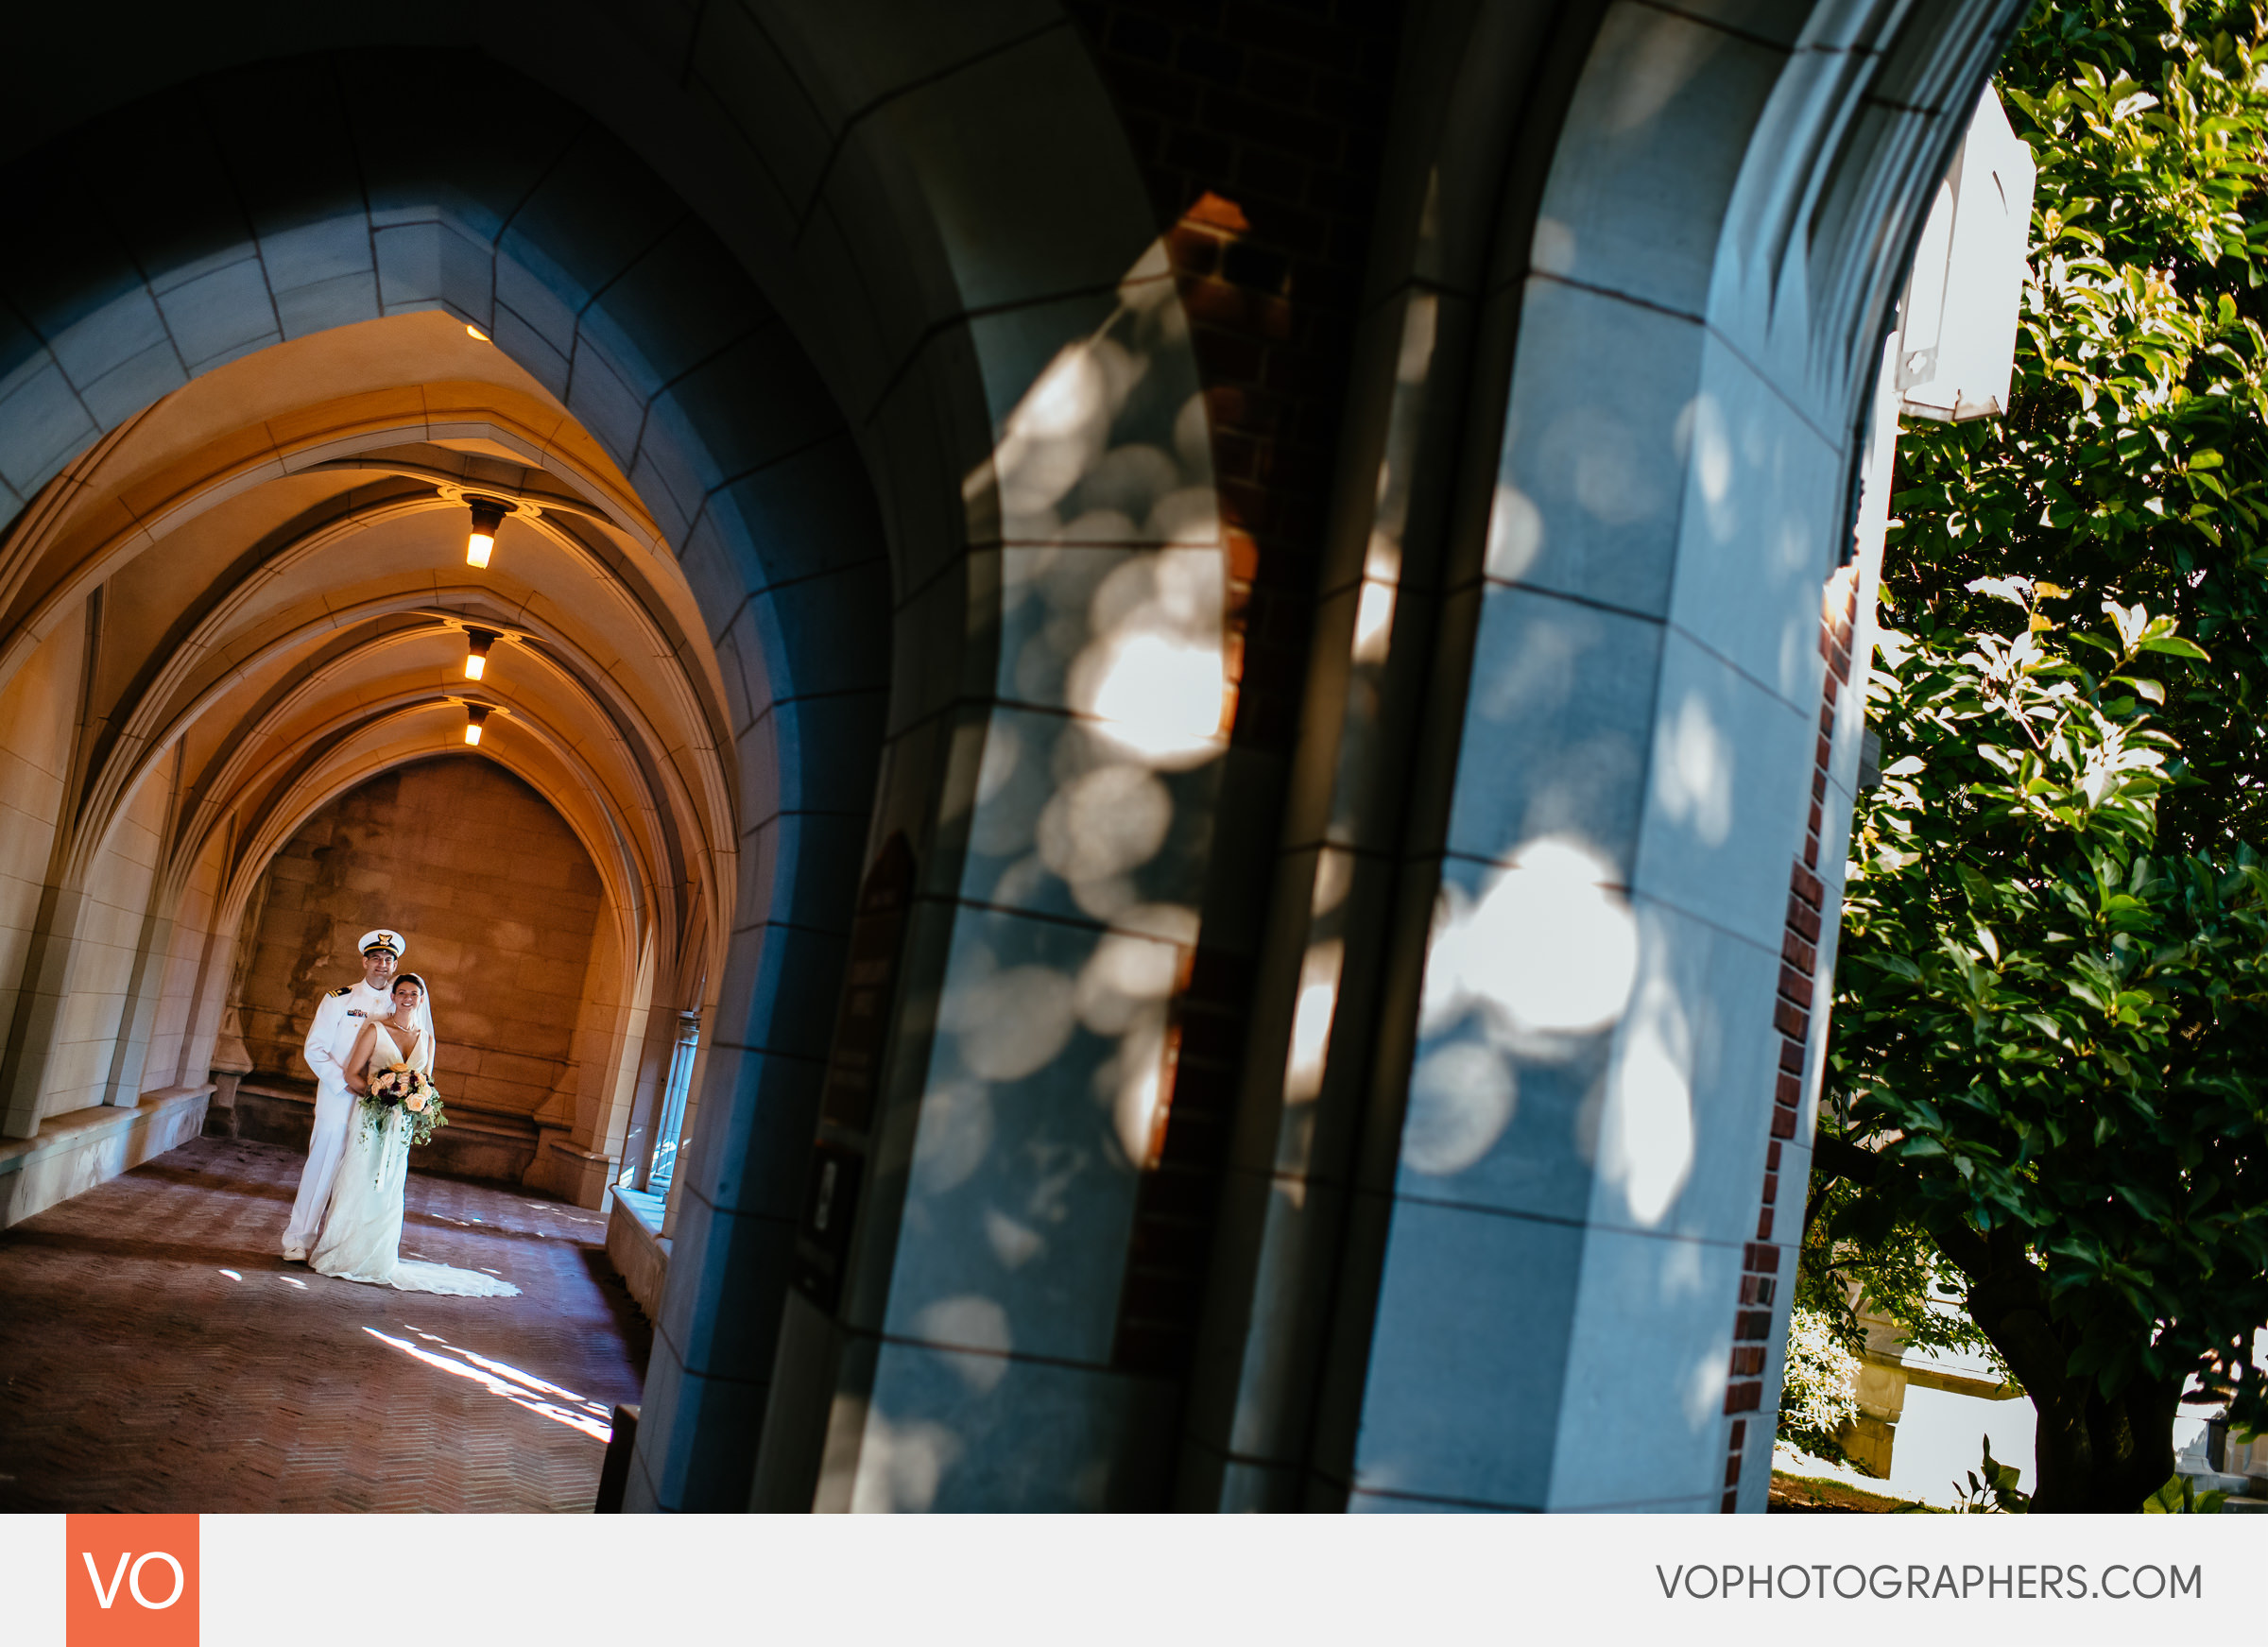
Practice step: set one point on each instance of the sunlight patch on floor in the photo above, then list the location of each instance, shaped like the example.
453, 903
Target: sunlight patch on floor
500, 1378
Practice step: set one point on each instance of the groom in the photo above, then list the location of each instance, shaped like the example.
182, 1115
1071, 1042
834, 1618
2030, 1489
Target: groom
338, 1020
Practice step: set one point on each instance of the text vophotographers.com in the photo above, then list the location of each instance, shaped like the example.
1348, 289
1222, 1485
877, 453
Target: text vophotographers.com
1917, 1581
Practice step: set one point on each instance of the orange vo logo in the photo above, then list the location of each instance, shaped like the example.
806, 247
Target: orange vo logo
130, 1580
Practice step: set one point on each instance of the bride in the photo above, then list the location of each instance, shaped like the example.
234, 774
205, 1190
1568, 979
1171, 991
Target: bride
361, 1232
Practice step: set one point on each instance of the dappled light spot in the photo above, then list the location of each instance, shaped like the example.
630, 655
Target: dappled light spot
1696, 763
1311, 1019
1106, 448
1172, 923
1010, 1022
900, 1465
1125, 484
1124, 978
1014, 1244
1155, 674
956, 1133
1550, 946
1666, 57
1105, 823
1159, 697
1373, 622
1646, 1133
1552, 249
1702, 424
1705, 1383
1515, 533
970, 1321
1004, 753
1055, 431
1334, 879
1462, 1097
1133, 1082
1613, 479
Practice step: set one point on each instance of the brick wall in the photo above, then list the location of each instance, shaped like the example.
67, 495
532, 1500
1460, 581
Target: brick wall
495, 894
1259, 128
1769, 1260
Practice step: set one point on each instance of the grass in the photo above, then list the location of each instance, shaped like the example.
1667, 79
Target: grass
1812, 1494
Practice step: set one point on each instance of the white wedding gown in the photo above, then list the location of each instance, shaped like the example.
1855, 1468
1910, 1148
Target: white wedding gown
361, 1232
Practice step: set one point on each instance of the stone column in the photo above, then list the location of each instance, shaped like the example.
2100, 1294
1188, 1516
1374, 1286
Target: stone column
1575, 1086
145, 986
42, 994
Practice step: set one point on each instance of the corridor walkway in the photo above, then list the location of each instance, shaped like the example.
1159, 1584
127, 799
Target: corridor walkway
157, 1355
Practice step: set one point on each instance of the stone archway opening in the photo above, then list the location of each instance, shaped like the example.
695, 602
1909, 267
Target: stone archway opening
819, 459
256, 596
506, 919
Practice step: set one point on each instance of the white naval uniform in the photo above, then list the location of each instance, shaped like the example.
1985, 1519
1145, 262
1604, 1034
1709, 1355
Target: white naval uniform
338, 1019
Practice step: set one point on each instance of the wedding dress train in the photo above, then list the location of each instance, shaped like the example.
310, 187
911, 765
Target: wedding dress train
361, 1232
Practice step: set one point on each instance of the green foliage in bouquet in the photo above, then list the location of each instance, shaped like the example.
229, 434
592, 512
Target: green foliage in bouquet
400, 1089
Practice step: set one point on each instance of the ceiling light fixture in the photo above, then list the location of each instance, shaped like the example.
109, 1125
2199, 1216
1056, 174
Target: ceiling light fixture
476, 715
476, 333
476, 651
486, 516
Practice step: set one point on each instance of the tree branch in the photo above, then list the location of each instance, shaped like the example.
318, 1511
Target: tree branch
1832, 1159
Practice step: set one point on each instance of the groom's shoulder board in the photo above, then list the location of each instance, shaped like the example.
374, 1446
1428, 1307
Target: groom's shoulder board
344, 989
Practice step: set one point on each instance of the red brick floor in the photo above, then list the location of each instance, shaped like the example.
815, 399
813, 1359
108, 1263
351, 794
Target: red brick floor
137, 1373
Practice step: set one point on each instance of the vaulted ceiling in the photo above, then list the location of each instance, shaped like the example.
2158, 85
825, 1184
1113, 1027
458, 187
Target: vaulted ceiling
271, 563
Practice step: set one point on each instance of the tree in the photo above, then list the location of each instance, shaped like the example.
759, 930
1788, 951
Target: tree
2048, 1091
1818, 1395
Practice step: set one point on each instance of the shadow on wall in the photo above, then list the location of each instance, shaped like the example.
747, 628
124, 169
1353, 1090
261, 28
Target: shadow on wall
1088, 832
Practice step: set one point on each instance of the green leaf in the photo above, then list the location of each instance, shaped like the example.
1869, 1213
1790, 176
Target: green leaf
2176, 646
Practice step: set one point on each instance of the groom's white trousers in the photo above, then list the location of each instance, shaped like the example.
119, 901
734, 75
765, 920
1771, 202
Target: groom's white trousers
333, 1110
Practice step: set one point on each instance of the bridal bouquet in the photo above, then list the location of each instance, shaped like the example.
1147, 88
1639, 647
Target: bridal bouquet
420, 1105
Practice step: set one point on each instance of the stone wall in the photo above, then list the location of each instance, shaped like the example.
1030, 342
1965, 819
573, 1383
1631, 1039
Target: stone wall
39, 712
495, 897
179, 1049
110, 934
1259, 128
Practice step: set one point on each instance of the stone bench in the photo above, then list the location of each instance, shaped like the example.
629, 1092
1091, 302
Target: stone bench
78, 1150
490, 1146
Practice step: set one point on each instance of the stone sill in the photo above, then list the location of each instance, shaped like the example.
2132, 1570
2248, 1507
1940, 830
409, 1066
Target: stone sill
1931, 1378
76, 1128
637, 1249
2237, 1486
1954, 1384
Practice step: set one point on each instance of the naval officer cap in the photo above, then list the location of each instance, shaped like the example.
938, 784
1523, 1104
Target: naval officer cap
381, 939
